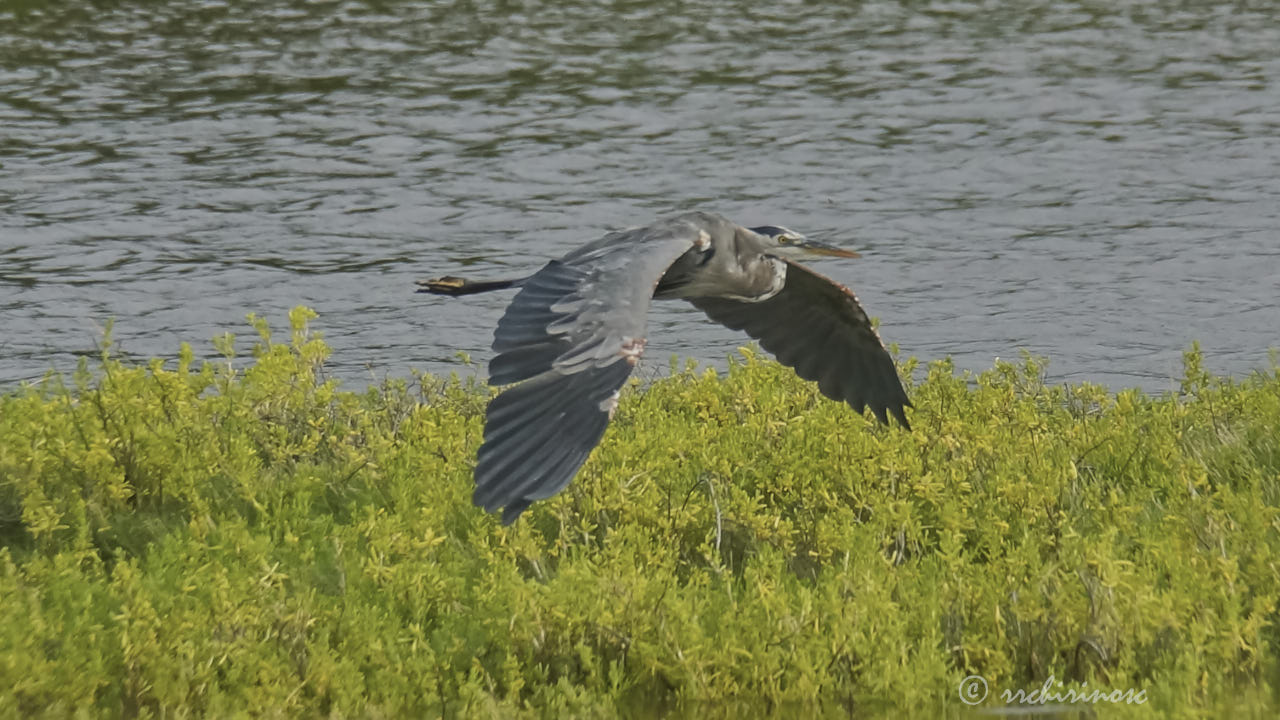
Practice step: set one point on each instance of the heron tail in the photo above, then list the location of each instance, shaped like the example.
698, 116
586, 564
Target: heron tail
455, 286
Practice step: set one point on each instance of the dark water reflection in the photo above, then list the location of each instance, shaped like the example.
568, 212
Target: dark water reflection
1092, 181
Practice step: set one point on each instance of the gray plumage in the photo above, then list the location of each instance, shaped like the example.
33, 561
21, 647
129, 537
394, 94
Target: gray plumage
576, 328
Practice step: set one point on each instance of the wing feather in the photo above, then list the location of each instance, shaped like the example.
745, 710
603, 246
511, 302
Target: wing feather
817, 327
534, 426
569, 340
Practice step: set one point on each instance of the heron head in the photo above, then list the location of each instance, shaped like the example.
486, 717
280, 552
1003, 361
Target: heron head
789, 243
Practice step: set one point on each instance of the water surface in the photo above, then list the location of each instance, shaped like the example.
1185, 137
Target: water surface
1096, 182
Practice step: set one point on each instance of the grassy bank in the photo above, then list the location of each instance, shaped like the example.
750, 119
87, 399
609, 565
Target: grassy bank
179, 540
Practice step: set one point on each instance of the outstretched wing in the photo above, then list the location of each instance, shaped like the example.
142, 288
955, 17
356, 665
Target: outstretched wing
817, 327
570, 338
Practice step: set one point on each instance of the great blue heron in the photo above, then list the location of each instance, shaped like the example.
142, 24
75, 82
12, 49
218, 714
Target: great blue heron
575, 330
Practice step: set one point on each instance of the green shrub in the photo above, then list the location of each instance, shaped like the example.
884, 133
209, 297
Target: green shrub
229, 540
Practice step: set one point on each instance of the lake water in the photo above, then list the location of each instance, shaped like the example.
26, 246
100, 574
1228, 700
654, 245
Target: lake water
1098, 182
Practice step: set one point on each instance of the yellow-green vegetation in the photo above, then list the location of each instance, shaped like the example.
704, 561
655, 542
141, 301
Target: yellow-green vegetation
227, 540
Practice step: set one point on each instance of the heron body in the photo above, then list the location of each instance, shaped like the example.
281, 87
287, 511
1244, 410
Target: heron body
576, 328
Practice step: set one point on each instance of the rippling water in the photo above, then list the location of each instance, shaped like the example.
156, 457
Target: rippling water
1094, 181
